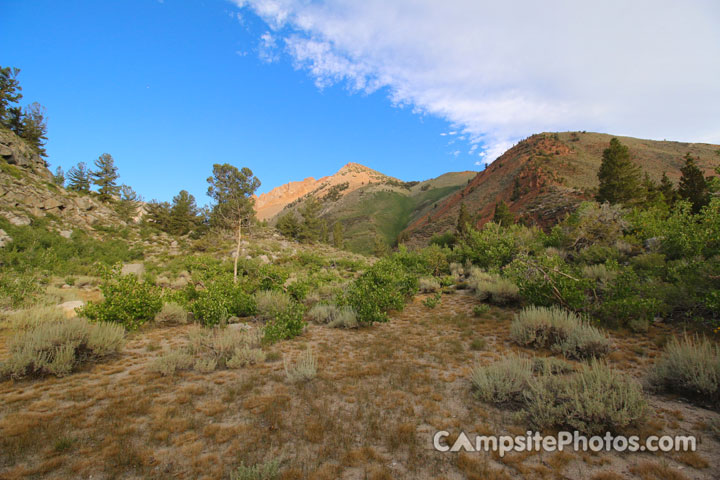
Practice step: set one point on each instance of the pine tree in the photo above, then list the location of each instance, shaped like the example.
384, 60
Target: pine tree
9, 92
59, 177
14, 120
380, 248
619, 176
651, 192
338, 240
288, 225
157, 214
183, 213
324, 233
127, 207
667, 189
503, 216
79, 178
464, 221
311, 225
693, 185
34, 128
105, 177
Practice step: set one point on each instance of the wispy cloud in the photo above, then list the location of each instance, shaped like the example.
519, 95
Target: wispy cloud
499, 71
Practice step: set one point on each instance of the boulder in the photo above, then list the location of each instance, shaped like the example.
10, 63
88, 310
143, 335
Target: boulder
66, 233
136, 269
264, 259
69, 308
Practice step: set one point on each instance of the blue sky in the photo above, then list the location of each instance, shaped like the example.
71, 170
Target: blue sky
171, 88
297, 88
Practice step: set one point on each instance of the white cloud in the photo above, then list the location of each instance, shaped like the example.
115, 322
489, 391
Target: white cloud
500, 71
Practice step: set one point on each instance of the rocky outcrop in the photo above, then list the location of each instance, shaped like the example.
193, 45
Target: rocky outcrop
15, 151
26, 190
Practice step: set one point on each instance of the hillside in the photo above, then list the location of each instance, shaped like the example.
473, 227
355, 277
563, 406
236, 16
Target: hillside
547, 175
366, 202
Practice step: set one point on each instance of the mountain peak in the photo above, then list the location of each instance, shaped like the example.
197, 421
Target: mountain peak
354, 167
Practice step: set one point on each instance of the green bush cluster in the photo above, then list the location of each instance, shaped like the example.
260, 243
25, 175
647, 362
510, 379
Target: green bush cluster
561, 330
384, 286
593, 400
57, 347
126, 300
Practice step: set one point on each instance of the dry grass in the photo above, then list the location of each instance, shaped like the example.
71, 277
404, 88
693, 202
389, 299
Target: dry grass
370, 412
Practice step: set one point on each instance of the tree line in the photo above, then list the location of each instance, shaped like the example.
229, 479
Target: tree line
28, 123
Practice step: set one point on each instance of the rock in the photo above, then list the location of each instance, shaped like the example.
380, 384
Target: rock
238, 326
17, 220
66, 233
264, 259
4, 238
136, 269
68, 308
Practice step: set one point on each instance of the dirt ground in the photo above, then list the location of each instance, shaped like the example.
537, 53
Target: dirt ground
379, 396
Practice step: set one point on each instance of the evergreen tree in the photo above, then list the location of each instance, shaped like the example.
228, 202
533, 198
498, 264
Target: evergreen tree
619, 176
693, 186
34, 128
14, 120
464, 222
59, 177
503, 216
667, 189
338, 240
183, 213
157, 214
105, 177
233, 189
380, 248
127, 207
79, 178
651, 191
311, 225
288, 225
9, 91
324, 233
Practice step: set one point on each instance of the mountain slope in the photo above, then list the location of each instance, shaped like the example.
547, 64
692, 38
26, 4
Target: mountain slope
547, 175
368, 203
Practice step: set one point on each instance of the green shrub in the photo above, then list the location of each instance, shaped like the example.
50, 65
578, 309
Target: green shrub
689, 366
498, 290
286, 324
428, 285
333, 316
305, 369
210, 308
434, 301
492, 246
548, 280
209, 349
503, 382
594, 400
265, 471
34, 317
480, 310
560, 330
18, 289
172, 314
384, 286
57, 348
270, 303
126, 300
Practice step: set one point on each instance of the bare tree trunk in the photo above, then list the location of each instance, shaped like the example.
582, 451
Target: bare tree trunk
237, 250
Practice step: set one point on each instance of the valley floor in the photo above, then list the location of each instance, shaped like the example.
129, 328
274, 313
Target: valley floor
379, 396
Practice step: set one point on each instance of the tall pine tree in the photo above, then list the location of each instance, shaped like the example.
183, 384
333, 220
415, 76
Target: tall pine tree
503, 216
9, 92
693, 185
338, 241
105, 177
78, 178
619, 176
183, 213
464, 221
34, 128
